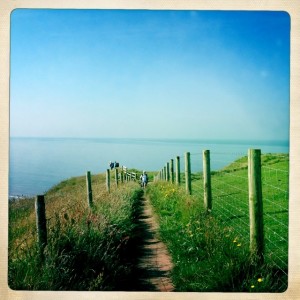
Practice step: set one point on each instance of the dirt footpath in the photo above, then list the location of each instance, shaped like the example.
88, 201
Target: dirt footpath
154, 261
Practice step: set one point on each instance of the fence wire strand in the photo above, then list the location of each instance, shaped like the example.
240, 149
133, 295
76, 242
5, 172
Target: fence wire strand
230, 193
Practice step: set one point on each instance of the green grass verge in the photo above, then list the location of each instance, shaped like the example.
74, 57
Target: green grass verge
88, 249
210, 251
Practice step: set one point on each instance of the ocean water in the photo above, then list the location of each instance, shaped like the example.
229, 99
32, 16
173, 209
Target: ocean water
37, 164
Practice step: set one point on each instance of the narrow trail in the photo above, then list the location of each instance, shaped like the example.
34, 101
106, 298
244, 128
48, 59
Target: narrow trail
154, 262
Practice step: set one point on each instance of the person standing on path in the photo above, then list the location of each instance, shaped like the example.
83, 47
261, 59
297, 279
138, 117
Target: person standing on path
144, 179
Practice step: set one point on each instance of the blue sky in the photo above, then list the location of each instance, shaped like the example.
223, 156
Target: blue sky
151, 74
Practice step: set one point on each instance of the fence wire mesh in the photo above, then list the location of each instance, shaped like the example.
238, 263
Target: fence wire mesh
276, 204
230, 196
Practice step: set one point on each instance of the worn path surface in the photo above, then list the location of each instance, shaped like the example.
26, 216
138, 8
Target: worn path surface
154, 263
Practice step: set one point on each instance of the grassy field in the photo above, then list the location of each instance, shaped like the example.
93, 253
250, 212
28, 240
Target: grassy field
88, 249
210, 251
94, 249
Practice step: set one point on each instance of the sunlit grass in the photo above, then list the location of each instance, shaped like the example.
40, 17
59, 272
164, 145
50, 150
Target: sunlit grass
88, 248
91, 248
210, 252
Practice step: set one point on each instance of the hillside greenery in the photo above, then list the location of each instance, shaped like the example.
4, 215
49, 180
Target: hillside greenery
210, 251
95, 248
88, 248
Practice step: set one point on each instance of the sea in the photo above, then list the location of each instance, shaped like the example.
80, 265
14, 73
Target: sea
37, 164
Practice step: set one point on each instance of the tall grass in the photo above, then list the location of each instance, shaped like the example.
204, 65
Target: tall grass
88, 249
210, 251
95, 249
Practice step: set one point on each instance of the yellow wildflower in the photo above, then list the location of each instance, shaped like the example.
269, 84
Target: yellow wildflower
252, 286
259, 279
239, 245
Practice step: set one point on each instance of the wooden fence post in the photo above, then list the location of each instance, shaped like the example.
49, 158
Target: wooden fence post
89, 188
168, 171
255, 204
178, 170
116, 176
122, 176
188, 182
165, 173
41, 223
207, 181
108, 180
172, 170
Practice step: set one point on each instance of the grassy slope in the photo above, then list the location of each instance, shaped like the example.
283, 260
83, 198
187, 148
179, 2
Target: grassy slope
88, 249
210, 252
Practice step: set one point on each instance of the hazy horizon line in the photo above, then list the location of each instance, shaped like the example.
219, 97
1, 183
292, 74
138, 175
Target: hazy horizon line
158, 138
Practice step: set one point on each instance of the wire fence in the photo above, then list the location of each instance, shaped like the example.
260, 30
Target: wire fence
230, 200
276, 204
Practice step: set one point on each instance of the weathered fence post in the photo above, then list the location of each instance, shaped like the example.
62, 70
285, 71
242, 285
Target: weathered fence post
168, 171
172, 170
255, 204
108, 180
122, 175
165, 173
188, 182
178, 170
89, 188
207, 181
116, 176
41, 223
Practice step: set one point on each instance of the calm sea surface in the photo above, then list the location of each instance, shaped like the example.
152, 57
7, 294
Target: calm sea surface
37, 164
